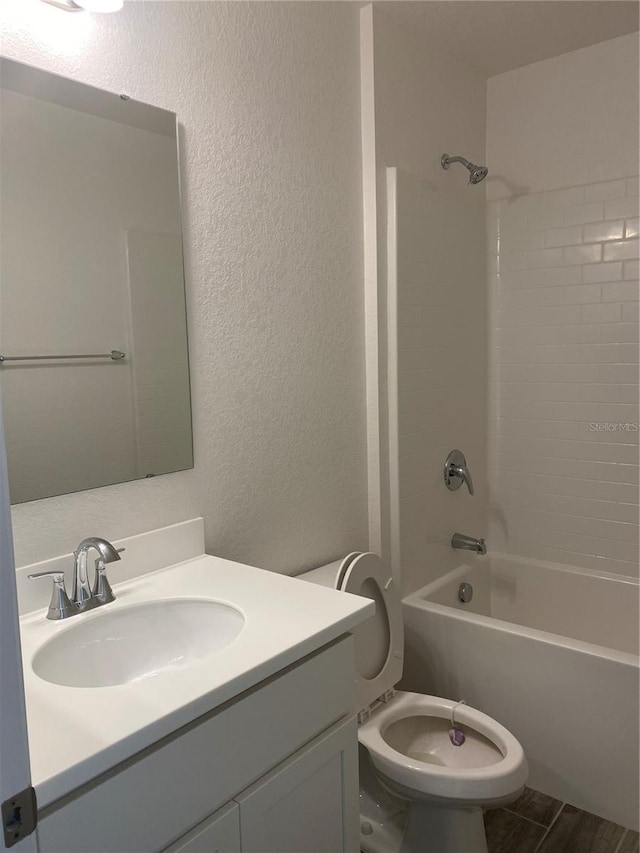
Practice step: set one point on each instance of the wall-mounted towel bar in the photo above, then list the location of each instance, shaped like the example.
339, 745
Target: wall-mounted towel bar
114, 355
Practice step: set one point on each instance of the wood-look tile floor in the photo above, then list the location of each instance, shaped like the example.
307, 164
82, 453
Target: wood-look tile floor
536, 823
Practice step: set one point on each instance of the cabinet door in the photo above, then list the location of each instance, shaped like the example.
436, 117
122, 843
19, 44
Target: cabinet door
309, 803
219, 833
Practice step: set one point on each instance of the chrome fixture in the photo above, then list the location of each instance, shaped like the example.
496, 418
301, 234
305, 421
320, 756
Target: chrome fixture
456, 472
59, 607
114, 355
476, 173
468, 543
101, 589
465, 593
84, 596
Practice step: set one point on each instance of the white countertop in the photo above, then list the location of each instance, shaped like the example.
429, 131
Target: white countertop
75, 734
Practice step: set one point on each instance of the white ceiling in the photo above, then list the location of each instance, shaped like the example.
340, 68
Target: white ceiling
499, 35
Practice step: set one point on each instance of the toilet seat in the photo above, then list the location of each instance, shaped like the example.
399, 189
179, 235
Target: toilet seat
379, 642
499, 775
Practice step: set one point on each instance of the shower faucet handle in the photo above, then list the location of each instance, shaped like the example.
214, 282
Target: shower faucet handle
456, 472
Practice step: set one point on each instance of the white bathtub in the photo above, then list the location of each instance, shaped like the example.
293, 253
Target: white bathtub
549, 651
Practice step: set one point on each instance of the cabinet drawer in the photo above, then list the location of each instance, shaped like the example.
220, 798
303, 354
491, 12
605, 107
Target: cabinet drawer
149, 801
219, 833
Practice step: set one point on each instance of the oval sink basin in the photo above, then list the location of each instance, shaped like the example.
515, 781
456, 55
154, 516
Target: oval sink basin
141, 641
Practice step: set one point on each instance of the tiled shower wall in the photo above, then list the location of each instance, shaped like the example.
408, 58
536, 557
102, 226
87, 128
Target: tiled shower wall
563, 377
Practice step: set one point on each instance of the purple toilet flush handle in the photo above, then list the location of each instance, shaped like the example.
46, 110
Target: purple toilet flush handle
456, 735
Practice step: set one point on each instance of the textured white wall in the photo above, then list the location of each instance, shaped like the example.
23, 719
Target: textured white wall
564, 308
427, 103
268, 97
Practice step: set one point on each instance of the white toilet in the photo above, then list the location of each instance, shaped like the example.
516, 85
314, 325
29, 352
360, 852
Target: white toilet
419, 793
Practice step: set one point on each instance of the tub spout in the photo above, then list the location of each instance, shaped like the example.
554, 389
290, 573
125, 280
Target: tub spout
468, 543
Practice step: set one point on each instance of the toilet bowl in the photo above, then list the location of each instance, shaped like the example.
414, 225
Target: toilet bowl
439, 788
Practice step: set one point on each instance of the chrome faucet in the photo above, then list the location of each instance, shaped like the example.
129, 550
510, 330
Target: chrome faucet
83, 596
456, 472
468, 543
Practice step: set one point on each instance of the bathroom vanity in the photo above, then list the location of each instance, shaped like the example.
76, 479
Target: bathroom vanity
250, 747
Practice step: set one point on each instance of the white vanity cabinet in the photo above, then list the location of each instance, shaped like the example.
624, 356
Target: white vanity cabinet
308, 804
274, 770
219, 833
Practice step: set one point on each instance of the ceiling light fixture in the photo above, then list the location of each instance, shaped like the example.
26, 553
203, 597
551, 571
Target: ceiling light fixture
87, 5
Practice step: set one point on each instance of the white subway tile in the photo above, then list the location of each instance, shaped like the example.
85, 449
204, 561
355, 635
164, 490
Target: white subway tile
563, 356
620, 333
544, 258
606, 312
575, 392
569, 353
623, 251
629, 393
590, 254
582, 213
631, 228
621, 208
561, 198
551, 277
622, 373
628, 353
574, 505
591, 489
530, 297
545, 316
565, 430
539, 220
512, 261
614, 432
556, 411
522, 241
600, 231
581, 293
571, 236
602, 353
623, 291
578, 469
576, 524
548, 335
601, 272
598, 451
578, 543
608, 189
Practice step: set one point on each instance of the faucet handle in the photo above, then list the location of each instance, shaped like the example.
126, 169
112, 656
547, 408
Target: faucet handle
59, 607
101, 586
456, 472
465, 473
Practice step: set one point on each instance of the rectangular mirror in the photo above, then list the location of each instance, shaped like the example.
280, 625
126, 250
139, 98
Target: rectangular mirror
93, 339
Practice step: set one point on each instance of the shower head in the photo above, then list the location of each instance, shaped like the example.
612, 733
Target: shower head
476, 173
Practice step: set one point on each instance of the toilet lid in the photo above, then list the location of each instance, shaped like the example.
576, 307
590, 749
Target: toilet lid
380, 640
